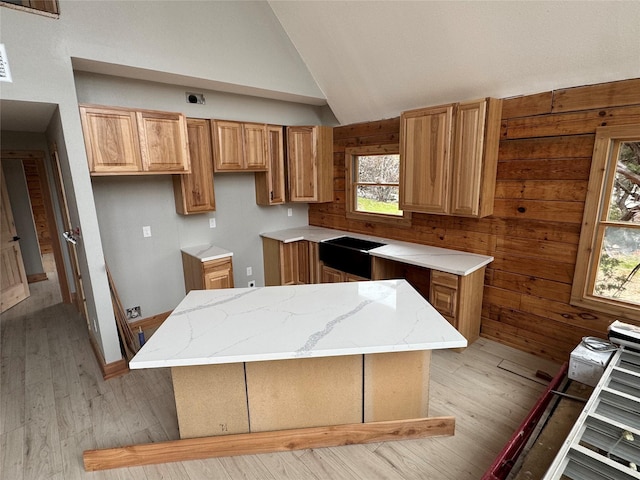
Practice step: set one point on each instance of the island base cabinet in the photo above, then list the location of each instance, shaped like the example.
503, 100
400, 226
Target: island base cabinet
307, 392
396, 385
276, 395
210, 400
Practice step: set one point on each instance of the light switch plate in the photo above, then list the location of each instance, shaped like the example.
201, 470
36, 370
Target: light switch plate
212, 222
146, 231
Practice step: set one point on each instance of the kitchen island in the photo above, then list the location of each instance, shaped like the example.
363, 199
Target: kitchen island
254, 361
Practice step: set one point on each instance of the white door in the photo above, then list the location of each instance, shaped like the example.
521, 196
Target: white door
14, 286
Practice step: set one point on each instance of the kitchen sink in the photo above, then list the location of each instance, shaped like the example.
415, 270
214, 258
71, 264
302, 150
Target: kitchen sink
348, 254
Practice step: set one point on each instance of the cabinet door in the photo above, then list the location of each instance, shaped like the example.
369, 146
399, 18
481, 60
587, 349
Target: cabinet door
301, 142
350, 277
443, 295
194, 192
111, 140
467, 157
228, 145
425, 151
331, 275
288, 263
163, 142
255, 146
218, 274
303, 272
270, 185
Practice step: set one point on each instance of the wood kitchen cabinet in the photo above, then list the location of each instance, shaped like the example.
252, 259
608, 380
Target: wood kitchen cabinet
239, 146
310, 164
194, 192
448, 158
207, 275
122, 141
286, 263
458, 298
333, 275
270, 185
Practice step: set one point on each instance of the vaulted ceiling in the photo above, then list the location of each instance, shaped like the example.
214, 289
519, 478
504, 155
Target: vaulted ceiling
374, 59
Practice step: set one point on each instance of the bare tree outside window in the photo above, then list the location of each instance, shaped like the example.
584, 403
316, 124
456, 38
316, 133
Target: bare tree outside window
377, 183
619, 263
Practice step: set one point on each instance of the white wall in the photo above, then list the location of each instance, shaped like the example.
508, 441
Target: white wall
228, 44
148, 271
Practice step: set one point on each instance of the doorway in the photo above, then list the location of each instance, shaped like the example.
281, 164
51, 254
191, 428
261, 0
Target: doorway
43, 217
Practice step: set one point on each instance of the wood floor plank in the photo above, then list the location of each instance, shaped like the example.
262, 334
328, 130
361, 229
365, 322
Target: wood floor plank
286, 465
42, 455
12, 454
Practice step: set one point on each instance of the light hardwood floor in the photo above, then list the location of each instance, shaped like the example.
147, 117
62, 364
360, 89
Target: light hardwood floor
54, 405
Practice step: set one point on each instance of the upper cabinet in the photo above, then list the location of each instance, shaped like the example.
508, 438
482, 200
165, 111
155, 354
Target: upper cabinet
270, 185
239, 146
310, 162
449, 157
124, 141
194, 192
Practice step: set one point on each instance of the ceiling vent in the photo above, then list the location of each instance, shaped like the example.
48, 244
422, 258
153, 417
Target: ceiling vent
5, 73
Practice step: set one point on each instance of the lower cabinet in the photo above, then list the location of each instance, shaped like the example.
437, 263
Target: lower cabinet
332, 275
287, 263
457, 298
207, 275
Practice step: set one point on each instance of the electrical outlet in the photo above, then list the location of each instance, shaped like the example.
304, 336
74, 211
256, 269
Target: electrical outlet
249, 271
252, 283
212, 222
289, 212
95, 325
133, 312
146, 231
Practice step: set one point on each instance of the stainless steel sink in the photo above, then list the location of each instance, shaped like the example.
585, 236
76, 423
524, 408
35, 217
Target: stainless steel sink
348, 254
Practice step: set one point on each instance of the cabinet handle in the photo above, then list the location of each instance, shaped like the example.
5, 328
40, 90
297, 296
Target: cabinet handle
16, 238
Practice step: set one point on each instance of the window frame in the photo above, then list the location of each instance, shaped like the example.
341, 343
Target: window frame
351, 189
594, 222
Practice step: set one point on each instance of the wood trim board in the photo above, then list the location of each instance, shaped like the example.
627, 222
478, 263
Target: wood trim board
266, 442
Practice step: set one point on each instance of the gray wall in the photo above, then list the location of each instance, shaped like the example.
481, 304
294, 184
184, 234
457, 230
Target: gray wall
22, 215
148, 271
225, 46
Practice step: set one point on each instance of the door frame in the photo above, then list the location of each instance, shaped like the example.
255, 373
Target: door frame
54, 233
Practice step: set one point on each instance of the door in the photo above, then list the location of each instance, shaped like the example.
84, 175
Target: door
13, 279
79, 299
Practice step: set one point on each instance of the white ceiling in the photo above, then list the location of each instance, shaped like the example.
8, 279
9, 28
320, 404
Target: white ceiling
373, 60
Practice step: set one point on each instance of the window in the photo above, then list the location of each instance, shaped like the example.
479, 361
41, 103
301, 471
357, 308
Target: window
607, 275
372, 185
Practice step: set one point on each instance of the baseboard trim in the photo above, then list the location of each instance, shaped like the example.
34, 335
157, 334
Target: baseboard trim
265, 442
109, 370
37, 277
150, 322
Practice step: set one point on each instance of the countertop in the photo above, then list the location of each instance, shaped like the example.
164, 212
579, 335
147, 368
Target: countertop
443, 259
296, 321
207, 252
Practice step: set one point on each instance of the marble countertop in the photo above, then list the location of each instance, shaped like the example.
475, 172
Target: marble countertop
443, 259
207, 252
296, 321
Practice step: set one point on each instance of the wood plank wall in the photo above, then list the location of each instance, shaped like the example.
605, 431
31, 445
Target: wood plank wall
34, 177
543, 172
